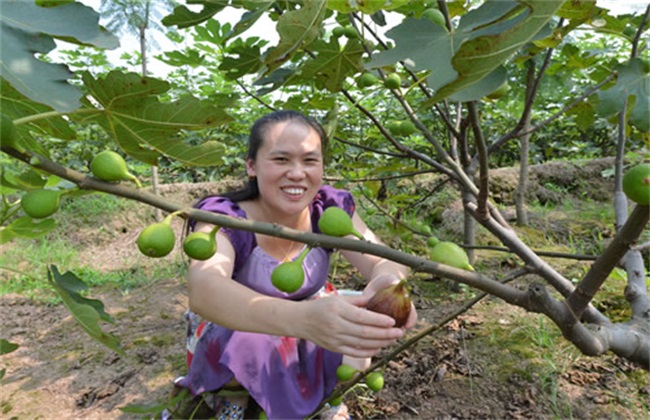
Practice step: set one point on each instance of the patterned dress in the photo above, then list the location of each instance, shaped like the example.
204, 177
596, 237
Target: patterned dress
288, 377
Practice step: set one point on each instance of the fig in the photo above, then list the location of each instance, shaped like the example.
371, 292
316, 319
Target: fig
406, 128
375, 381
350, 32
345, 372
110, 166
7, 131
41, 203
393, 81
335, 402
201, 245
338, 31
449, 253
636, 184
157, 239
289, 276
336, 222
435, 16
366, 80
394, 301
499, 92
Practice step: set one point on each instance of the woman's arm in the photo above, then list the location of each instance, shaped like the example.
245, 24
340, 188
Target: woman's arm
335, 323
380, 272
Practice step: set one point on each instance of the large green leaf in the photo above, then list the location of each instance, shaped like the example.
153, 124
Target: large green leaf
633, 82
17, 106
144, 126
26, 29
332, 64
244, 57
26, 227
484, 39
184, 17
297, 29
87, 312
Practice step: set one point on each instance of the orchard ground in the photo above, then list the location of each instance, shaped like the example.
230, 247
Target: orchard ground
492, 361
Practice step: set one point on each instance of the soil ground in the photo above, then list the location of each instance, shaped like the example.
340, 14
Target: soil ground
459, 371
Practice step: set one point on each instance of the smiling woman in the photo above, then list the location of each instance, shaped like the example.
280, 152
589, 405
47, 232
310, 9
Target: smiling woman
282, 346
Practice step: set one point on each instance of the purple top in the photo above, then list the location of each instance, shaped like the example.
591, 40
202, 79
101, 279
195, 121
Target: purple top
287, 377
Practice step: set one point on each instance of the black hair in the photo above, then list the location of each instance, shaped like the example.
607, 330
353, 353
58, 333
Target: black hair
256, 139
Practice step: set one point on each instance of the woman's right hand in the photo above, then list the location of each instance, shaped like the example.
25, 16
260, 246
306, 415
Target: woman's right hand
342, 325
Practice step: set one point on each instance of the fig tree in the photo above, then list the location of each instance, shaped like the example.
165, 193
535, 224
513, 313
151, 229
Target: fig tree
110, 166
449, 253
157, 239
336, 222
201, 245
636, 184
41, 203
289, 276
393, 81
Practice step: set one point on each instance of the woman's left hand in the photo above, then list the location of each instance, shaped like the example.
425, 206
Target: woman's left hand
383, 281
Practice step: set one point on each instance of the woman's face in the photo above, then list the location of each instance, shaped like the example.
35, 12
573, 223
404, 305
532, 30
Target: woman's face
288, 167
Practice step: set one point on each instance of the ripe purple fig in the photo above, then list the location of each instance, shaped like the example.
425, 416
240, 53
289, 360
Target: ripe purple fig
393, 301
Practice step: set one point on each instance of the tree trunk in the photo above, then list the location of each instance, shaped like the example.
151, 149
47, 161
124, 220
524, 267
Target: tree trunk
520, 195
154, 168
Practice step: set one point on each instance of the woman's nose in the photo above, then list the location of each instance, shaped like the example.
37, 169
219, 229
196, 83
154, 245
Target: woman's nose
296, 171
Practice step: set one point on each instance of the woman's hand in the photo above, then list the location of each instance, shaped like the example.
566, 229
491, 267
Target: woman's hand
340, 324
383, 281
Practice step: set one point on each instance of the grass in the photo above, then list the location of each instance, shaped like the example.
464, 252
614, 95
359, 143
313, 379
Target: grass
24, 262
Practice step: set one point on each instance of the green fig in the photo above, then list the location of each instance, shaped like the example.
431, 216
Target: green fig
406, 128
41, 203
636, 184
289, 276
393, 81
345, 372
157, 239
336, 222
449, 253
110, 166
338, 31
367, 79
7, 131
335, 402
201, 245
499, 92
394, 301
435, 16
350, 32
375, 381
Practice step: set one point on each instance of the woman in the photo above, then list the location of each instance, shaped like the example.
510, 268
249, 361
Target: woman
282, 348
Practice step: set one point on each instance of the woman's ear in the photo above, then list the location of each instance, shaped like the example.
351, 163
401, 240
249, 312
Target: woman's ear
250, 168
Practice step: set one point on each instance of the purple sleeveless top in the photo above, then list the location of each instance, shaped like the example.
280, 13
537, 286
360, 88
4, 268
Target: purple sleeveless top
287, 377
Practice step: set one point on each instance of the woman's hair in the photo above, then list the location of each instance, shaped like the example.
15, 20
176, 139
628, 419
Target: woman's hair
256, 138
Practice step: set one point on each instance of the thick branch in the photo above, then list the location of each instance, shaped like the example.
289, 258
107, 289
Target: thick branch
603, 266
484, 182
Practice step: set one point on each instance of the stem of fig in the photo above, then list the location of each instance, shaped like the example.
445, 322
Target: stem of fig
357, 233
213, 233
303, 254
134, 179
170, 216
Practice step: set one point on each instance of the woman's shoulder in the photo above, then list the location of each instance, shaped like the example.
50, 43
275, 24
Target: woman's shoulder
329, 196
220, 204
